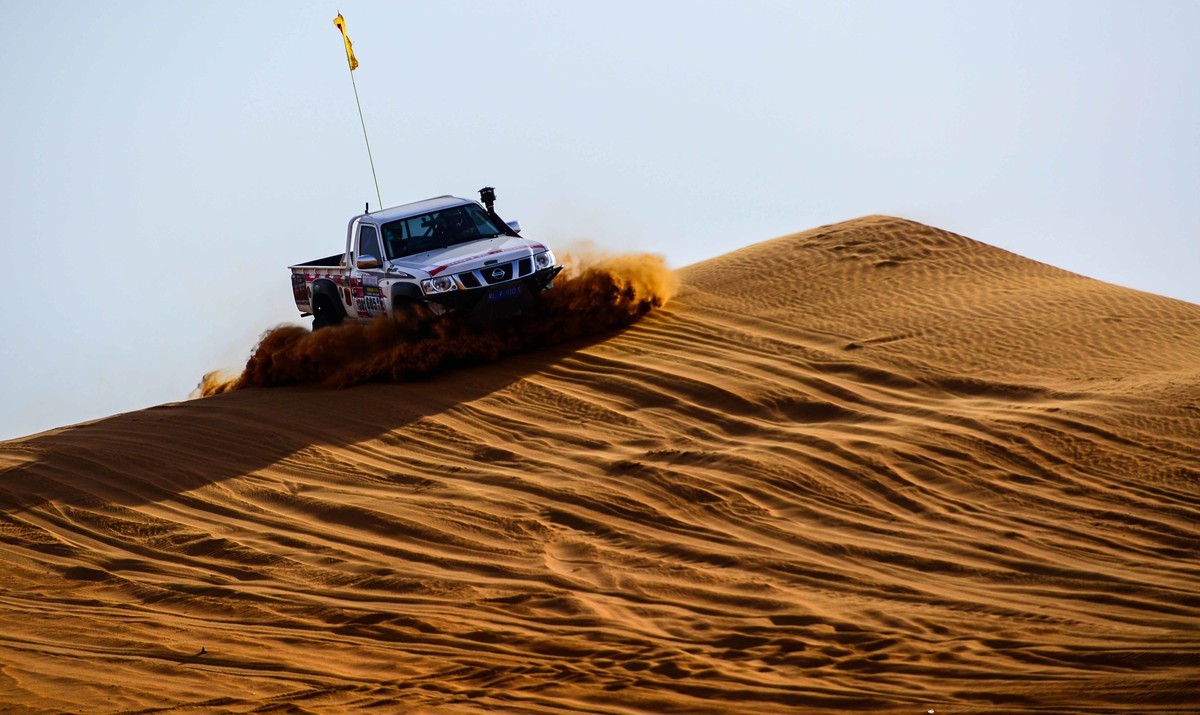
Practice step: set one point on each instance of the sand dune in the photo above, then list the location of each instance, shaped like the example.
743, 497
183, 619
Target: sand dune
870, 467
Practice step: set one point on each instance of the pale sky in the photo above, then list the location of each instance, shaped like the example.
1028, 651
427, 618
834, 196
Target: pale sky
163, 163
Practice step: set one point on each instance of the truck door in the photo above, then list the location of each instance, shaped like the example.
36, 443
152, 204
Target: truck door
368, 300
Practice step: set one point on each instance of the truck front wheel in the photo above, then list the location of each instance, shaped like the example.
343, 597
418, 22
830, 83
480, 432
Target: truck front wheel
325, 313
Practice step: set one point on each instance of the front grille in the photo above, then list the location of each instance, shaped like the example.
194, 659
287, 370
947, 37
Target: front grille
524, 266
497, 273
468, 280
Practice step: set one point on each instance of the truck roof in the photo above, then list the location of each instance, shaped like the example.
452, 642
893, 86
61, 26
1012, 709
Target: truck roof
416, 208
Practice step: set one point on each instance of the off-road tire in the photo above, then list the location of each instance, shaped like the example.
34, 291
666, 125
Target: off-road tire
325, 313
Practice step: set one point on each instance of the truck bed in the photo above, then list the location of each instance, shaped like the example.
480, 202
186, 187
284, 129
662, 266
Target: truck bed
334, 261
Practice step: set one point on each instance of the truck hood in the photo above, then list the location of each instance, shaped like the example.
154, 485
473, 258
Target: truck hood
469, 256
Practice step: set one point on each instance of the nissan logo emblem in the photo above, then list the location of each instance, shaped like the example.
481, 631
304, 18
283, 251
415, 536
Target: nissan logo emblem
498, 273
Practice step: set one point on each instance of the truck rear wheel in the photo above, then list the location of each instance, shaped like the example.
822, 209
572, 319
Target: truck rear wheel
325, 313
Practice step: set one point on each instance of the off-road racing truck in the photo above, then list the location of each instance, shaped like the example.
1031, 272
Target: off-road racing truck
445, 253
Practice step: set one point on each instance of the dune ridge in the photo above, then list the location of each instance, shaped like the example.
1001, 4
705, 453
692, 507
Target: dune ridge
874, 466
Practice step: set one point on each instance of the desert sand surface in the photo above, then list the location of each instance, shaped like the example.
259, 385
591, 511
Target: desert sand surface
874, 466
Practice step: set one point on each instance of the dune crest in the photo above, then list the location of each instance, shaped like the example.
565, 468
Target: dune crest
870, 467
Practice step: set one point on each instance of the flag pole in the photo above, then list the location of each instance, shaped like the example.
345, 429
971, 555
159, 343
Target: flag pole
352, 63
365, 139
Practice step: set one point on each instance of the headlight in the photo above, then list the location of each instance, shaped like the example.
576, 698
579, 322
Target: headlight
441, 284
544, 260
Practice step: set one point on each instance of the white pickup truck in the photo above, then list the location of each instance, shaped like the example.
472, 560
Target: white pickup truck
446, 253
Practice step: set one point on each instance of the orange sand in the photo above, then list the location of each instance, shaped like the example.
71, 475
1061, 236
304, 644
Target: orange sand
872, 466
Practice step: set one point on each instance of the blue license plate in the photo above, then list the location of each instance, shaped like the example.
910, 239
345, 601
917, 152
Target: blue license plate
508, 292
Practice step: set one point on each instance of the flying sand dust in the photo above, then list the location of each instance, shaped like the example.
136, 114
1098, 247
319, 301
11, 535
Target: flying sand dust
595, 293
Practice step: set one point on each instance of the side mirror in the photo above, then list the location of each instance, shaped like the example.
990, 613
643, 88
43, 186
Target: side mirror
514, 225
368, 262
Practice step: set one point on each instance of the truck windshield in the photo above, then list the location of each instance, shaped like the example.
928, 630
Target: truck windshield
438, 229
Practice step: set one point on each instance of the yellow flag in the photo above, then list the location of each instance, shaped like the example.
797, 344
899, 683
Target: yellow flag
341, 25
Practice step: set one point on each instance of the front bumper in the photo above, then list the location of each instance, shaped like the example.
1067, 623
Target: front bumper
498, 301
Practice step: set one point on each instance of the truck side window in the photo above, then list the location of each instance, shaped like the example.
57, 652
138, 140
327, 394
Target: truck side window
395, 238
368, 243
